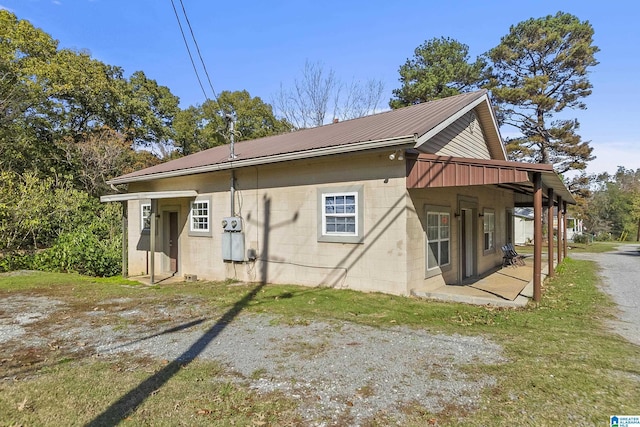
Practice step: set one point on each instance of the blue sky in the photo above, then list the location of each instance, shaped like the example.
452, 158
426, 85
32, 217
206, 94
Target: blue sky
259, 45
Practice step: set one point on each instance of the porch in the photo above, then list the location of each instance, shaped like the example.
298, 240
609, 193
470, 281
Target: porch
502, 287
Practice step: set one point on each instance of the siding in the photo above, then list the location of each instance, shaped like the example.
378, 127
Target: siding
463, 138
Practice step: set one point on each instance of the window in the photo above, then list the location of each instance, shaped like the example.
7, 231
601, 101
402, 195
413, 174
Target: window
145, 217
340, 214
200, 216
489, 230
438, 240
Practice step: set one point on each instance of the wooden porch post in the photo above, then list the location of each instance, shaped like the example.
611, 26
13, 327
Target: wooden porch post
537, 236
550, 256
564, 221
125, 238
561, 234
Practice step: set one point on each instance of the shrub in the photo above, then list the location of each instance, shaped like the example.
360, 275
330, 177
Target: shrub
81, 251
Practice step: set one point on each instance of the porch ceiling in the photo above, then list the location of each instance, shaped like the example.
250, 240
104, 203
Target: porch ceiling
431, 171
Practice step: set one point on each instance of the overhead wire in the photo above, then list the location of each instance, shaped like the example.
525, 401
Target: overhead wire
186, 43
195, 42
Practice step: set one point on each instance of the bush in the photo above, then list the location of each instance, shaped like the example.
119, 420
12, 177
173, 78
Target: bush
16, 261
582, 238
81, 251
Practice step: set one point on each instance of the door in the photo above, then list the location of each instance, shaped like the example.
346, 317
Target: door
173, 242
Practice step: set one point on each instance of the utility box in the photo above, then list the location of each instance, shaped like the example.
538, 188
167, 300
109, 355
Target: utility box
233, 246
232, 239
232, 224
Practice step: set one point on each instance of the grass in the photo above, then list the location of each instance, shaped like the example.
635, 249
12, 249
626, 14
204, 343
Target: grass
565, 367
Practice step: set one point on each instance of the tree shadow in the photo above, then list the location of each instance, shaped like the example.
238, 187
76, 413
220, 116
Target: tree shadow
128, 403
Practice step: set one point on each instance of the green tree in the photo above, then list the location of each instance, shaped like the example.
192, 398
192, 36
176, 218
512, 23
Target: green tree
537, 71
439, 68
50, 97
614, 206
201, 127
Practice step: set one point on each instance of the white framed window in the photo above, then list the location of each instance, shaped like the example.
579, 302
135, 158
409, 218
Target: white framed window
199, 216
340, 214
145, 217
438, 239
489, 227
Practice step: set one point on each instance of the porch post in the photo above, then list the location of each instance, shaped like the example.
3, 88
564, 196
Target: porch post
550, 256
152, 242
561, 232
564, 223
125, 238
537, 236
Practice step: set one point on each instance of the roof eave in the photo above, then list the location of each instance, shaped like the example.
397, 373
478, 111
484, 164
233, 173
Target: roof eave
257, 161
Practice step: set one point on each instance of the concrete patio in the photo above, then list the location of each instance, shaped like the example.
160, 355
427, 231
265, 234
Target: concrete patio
503, 287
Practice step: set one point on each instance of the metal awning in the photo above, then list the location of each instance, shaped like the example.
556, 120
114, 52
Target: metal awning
432, 171
148, 195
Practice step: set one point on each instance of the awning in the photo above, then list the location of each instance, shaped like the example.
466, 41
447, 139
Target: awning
432, 171
148, 195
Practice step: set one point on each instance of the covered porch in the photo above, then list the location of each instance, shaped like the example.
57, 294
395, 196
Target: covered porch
502, 287
533, 185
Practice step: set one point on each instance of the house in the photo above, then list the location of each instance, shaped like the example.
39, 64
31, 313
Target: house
394, 202
522, 226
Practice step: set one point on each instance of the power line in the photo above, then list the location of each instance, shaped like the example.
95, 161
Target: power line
195, 42
186, 43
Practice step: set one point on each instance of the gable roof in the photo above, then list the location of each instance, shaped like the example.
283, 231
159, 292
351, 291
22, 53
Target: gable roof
409, 126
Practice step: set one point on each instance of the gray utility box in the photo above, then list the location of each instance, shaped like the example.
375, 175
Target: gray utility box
232, 239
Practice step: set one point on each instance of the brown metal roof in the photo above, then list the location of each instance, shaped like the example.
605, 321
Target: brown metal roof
409, 122
431, 171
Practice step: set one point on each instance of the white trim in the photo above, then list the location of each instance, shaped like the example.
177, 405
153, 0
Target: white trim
143, 216
207, 216
148, 195
340, 215
256, 161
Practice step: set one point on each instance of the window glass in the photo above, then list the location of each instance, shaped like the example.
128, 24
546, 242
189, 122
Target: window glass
340, 214
200, 215
145, 216
438, 241
489, 230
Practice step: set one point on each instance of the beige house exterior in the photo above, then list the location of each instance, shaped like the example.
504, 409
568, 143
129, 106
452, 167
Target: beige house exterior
395, 202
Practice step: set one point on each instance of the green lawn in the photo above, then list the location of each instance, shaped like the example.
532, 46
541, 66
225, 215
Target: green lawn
565, 367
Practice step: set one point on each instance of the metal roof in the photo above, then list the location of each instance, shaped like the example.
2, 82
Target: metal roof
404, 126
431, 171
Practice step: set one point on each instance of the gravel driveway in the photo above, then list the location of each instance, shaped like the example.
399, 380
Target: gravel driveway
335, 371
619, 270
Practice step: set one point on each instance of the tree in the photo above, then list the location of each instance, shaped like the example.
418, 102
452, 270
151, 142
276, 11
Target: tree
51, 98
201, 127
319, 93
614, 207
439, 68
537, 71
